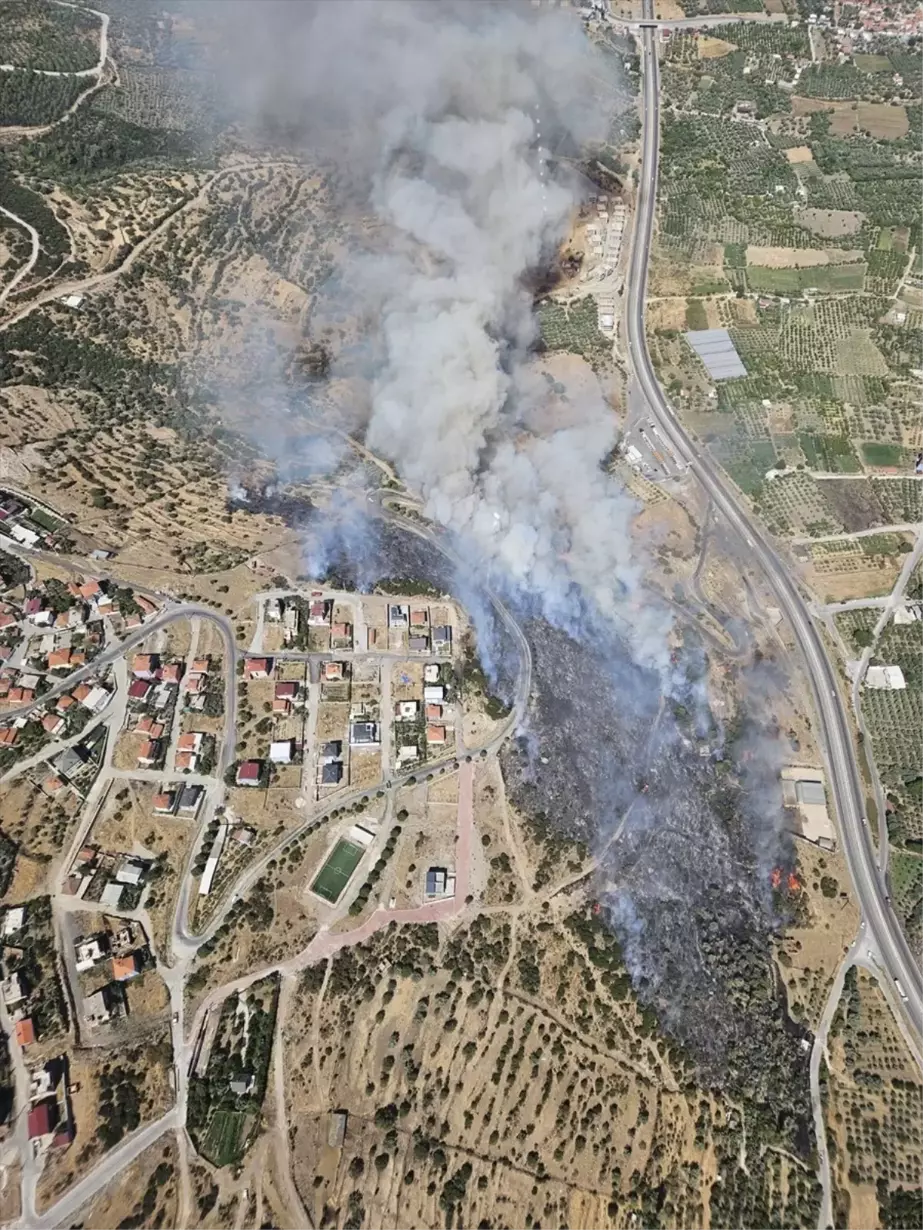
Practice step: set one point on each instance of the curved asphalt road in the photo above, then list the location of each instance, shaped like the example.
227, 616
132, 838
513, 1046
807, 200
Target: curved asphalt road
884, 928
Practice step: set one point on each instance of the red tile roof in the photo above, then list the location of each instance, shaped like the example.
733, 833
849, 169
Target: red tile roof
25, 1031
40, 1119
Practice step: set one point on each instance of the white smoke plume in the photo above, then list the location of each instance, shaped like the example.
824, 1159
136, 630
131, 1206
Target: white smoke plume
443, 113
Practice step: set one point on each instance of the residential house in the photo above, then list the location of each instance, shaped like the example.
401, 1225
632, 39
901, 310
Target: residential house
88, 951
286, 691
190, 799
433, 713
364, 734
139, 690
9, 736
435, 734
333, 671
291, 623
186, 762
398, 616
257, 668
434, 694
52, 723
419, 618
200, 666
249, 773
125, 968
190, 742
147, 607
431, 672
419, 644
243, 835
53, 785
273, 610
130, 872
163, 803
406, 710
319, 612
282, 751
111, 896
25, 1031
149, 752
42, 1119
341, 635
242, 1085
65, 703
96, 1007
12, 990
150, 727
331, 773
442, 638
333, 749
172, 672
14, 920
59, 658
145, 665
71, 761
92, 698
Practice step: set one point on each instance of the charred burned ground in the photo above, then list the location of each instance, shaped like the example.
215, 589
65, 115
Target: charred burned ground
686, 835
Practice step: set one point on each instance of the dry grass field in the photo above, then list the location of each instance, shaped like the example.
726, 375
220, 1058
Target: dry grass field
799, 258
875, 1106
507, 1084
146, 1188
39, 825
134, 1076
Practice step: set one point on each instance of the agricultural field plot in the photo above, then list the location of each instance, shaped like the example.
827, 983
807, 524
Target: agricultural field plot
52, 37
793, 504
573, 327
439, 1074
841, 569
174, 99
31, 99
832, 454
885, 456
856, 627
901, 499
905, 875
894, 719
226, 1098
781, 281
874, 1110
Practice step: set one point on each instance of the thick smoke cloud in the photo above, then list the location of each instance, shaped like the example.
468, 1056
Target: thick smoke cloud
445, 124
442, 116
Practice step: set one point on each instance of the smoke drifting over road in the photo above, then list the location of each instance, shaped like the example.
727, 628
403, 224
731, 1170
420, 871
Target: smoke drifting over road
440, 114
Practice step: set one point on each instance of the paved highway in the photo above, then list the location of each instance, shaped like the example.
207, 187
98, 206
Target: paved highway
884, 928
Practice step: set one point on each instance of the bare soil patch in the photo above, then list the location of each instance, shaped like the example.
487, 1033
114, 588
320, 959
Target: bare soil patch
713, 48
799, 258
800, 153
831, 223
883, 120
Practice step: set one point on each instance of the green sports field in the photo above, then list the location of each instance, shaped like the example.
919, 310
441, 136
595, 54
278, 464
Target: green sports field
334, 875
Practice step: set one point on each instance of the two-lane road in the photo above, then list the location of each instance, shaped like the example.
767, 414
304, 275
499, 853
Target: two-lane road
884, 928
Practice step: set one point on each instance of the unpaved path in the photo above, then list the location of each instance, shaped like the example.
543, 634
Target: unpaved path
33, 255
